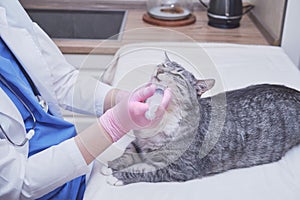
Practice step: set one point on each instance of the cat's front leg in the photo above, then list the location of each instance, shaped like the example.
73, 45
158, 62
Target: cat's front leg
140, 172
129, 157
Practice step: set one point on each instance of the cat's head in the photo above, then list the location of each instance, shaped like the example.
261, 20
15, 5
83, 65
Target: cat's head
173, 75
183, 110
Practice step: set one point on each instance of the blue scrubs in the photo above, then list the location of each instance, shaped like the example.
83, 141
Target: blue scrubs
49, 131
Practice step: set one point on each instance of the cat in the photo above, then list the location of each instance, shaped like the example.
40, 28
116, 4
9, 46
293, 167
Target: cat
200, 137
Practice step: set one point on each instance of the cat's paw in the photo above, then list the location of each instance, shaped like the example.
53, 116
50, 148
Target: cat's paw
111, 180
106, 171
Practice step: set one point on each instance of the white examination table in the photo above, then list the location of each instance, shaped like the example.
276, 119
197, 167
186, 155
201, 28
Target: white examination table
233, 66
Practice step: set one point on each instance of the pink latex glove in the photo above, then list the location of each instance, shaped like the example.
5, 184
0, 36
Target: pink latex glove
120, 95
129, 114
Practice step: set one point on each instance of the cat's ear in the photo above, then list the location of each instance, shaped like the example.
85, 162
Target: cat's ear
204, 85
167, 59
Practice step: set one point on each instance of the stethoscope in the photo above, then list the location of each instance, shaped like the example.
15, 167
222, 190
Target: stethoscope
41, 101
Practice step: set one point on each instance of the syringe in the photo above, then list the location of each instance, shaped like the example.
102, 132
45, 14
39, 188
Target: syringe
154, 102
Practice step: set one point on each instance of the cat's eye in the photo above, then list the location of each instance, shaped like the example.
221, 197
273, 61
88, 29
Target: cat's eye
176, 71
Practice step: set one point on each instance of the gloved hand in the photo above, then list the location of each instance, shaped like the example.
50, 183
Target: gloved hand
129, 114
114, 97
120, 95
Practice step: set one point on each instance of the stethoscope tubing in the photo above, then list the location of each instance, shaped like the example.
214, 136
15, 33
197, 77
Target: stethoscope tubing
31, 131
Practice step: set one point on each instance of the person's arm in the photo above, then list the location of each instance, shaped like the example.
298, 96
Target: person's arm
113, 97
92, 142
74, 90
33, 177
70, 159
128, 114
59, 164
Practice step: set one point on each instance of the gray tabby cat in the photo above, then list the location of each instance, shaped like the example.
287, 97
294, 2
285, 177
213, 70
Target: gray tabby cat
259, 125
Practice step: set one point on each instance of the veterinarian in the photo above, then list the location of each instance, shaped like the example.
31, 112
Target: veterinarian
41, 155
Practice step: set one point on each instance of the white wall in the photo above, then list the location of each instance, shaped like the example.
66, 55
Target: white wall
291, 31
269, 13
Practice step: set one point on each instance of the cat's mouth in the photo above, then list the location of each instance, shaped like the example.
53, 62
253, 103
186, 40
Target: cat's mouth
155, 78
158, 71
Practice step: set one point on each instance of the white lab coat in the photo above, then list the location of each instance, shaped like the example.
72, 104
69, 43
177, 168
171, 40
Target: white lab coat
29, 178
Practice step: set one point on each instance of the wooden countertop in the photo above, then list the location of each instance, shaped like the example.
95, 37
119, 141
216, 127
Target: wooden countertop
136, 30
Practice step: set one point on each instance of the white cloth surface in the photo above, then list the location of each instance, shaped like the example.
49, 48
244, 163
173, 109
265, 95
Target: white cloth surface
233, 66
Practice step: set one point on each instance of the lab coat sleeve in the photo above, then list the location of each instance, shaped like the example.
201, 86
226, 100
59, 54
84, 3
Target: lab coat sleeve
31, 178
12, 171
74, 90
51, 168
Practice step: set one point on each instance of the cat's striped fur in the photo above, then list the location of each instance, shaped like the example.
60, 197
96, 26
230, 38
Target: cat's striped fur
255, 125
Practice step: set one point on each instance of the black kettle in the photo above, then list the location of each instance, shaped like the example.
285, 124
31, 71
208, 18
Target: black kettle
225, 13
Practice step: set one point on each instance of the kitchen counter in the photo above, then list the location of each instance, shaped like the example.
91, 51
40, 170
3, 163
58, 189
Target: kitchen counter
136, 30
